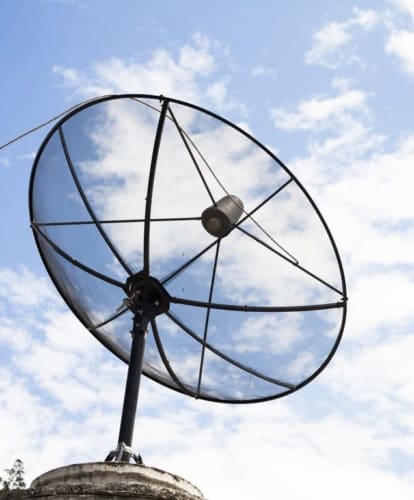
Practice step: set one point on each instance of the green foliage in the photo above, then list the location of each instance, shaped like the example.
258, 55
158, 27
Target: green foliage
14, 479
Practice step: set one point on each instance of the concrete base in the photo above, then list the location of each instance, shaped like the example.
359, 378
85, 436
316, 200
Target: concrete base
108, 480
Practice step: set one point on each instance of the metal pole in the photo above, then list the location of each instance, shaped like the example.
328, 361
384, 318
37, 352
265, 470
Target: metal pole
126, 429
147, 298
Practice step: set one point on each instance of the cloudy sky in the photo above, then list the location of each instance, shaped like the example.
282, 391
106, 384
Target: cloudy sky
328, 86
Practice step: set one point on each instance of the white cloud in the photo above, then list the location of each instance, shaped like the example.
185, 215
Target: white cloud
343, 84
23, 288
179, 75
400, 44
320, 112
339, 130
378, 376
326, 42
381, 220
325, 451
5, 162
217, 93
260, 71
406, 6
198, 57
400, 34
270, 332
305, 363
14, 337
331, 45
28, 156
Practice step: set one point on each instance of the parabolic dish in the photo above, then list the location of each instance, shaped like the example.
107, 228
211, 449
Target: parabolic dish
118, 188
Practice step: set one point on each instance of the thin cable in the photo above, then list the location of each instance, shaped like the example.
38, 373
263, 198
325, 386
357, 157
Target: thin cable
200, 173
28, 132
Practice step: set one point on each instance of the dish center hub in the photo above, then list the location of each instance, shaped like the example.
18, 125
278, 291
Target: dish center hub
144, 291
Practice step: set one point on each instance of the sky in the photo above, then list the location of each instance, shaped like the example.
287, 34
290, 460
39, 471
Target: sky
327, 86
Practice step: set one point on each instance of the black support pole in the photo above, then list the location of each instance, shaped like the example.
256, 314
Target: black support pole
129, 409
147, 299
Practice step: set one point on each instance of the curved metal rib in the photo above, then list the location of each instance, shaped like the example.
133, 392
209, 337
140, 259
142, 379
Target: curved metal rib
245, 368
150, 188
75, 262
246, 308
164, 358
88, 205
210, 296
114, 221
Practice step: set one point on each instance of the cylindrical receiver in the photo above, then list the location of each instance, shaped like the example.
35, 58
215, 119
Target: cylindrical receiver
221, 217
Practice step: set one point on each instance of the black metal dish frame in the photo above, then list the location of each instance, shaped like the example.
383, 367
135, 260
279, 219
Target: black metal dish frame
209, 305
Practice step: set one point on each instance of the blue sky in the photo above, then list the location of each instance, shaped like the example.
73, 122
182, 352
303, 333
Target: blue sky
328, 86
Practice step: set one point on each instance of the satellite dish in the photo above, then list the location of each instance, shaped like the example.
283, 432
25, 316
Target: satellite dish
154, 214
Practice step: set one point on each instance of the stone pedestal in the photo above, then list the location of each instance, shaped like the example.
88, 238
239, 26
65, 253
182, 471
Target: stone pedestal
108, 480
